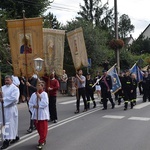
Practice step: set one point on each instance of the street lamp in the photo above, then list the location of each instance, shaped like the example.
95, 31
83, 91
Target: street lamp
38, 62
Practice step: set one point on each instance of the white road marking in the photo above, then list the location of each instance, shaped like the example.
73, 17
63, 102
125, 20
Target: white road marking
139, 118
68, 102
53, 126
142, 105
113, 117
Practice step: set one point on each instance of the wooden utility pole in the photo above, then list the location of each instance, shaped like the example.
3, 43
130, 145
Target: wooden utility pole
117, 52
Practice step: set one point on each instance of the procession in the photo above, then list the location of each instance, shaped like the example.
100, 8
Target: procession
45, 65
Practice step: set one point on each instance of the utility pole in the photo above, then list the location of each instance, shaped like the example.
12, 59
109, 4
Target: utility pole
117, 52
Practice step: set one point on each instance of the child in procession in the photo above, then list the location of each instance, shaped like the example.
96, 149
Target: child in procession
39, 106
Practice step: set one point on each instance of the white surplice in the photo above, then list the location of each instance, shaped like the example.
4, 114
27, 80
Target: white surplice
10, 97
43, 110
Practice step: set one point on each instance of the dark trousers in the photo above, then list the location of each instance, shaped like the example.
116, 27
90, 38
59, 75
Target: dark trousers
127, 98
81, 92
146, 95
31, 121
90, 96
52, 108
107, 96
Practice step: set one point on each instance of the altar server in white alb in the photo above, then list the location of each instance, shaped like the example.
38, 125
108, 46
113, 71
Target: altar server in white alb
9, 96
39, 106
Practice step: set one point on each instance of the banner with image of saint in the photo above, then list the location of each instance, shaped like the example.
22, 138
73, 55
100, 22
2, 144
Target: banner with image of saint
78, 48
26, 44
53, 44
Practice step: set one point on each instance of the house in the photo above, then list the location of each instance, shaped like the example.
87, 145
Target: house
129, 40
146, 33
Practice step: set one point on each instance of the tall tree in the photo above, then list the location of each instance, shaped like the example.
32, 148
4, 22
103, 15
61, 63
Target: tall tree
97, 13
125, 27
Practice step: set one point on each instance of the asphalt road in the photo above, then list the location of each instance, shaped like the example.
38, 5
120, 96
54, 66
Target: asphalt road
96, 129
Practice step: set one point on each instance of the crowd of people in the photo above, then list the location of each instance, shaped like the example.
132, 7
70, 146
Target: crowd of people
41, 98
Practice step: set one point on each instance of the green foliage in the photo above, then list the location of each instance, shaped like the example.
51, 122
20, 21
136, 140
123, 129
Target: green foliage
50, 21
124, 27
140, 46
32, 8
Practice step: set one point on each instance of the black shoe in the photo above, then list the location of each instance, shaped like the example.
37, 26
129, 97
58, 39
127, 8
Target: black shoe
30, 130
132, 105
113, 106
34, 128
104, 108
15, 140
76, 112
55, 121
125, 108
84, 110
6, 143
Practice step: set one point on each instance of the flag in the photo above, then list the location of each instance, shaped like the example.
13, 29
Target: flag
26, 44
77, 47
116, 84
145, 68
53, 45
136, 70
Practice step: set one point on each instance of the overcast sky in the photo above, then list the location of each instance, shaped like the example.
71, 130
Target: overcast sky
137, 10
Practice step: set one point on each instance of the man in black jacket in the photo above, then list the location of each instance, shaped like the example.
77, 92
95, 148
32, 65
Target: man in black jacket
89, 91
106, 87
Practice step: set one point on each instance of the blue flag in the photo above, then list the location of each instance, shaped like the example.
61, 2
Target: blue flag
136, 70
116, 84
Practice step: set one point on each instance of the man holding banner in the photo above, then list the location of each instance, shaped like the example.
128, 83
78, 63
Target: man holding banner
106, 87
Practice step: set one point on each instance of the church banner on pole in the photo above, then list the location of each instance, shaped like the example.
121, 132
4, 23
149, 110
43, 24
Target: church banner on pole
53, 44
78, 48
31, 38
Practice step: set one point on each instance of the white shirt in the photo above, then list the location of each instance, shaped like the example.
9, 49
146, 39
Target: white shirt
10, 98
15, 80
43, 110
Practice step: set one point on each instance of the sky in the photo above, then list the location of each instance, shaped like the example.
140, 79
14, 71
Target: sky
137, 10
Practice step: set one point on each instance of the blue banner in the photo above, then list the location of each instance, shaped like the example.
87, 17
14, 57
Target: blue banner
116, 84
136, 70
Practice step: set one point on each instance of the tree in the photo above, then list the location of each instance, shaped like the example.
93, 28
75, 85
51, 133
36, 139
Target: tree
98, 14
95, 41
141, 45
124, 27
50, 21
12, 9
32, 8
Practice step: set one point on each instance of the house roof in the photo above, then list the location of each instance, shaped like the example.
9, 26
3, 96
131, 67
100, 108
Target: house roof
144, 30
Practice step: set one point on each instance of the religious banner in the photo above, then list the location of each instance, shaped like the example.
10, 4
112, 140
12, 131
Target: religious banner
77, 47
53, 44
26, 44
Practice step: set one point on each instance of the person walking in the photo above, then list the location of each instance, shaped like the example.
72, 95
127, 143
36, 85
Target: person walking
127, 87
98, 86
106, 86
39, 106
80, 82
29, 90
9, 96
146, 87
52, 88
134, 93
89, 91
